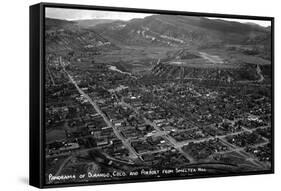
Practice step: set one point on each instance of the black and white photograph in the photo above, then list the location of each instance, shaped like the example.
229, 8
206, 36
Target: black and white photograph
132, 96
140, 95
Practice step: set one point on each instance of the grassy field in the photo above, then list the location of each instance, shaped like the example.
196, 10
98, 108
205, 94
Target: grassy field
54, 135
235, 57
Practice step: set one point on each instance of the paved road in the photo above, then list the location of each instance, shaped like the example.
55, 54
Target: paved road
179, 145
168, 138
98, 110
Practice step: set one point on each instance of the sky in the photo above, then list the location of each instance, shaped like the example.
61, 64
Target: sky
259, 22
79, 14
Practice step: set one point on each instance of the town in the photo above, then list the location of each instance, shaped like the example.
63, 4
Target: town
100, 119
156, 97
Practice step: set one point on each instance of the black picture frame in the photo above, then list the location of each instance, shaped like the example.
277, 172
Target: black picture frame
37, 91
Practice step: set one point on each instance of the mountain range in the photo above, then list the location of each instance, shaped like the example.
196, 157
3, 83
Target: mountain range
169, 30
182, 30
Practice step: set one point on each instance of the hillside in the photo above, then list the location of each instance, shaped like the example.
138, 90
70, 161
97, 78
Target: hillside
53, 24
174, 30
92, 22
62, 35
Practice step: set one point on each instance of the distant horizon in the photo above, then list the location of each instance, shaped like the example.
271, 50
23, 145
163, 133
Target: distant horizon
78, 14
245, 21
